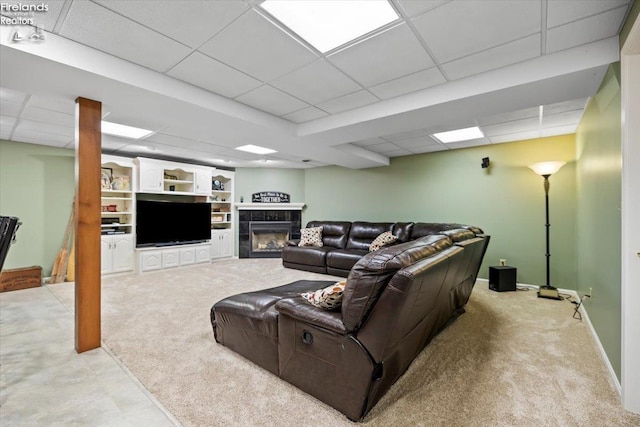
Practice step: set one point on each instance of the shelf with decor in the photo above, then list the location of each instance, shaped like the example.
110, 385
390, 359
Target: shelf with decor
222, 220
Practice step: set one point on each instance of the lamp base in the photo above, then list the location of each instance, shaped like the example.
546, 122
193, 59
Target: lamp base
549, 292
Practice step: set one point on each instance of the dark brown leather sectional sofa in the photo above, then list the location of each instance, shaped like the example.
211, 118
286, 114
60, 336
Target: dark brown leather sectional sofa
395, 301
344, 243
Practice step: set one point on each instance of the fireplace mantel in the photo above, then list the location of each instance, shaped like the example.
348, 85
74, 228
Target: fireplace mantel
269, 206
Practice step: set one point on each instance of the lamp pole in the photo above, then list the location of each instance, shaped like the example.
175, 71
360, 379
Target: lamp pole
547, 225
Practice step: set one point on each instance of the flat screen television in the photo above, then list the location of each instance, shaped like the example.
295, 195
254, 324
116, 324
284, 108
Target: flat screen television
163, 223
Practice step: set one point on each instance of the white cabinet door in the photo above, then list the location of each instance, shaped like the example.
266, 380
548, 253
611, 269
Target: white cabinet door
203, 254
170, 258
187, 256
203, 182
106, 264
226, 244
151, 178
150, 261
122, 252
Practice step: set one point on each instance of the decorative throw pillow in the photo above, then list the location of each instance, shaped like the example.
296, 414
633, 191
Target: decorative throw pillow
329, 298
311, 237
383, 239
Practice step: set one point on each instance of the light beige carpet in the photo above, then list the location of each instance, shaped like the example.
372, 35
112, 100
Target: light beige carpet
511, 360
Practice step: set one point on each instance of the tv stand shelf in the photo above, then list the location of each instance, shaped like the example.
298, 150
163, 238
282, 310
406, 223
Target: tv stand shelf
160, 258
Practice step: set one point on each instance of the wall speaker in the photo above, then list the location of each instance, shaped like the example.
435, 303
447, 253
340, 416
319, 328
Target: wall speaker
485, 162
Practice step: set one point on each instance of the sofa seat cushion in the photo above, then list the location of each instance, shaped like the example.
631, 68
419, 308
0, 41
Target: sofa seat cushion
307, 255
344, 259
248, 323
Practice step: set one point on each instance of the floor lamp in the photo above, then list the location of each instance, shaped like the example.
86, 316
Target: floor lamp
546, 169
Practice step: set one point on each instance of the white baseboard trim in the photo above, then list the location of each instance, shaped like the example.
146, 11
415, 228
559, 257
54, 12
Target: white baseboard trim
585, 317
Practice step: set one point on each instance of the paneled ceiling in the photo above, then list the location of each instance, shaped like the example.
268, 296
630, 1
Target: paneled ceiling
208, 76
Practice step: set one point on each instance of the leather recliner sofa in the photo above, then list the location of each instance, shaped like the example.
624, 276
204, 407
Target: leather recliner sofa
395, 301
344, 243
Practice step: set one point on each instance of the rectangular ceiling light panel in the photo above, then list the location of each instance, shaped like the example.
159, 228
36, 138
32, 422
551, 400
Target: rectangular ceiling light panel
124, 131
255, 149
329, 24
459, 135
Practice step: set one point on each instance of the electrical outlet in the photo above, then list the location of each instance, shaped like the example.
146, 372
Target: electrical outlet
503, 262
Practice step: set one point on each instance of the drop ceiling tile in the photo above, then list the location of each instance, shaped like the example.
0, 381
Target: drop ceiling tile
168, 140
12, 95
46, 18
271, 100
517, 136
383, 57
214, 76
254, 45
525, 113
461, 28
45, 128
429, 149
562, 119
416, 142
558, 130
411, 83
413, 7
368, 142
511, 127
7, 121
559, 107
384, 147
100, 28
586, 30
348, 102
561, 12
405, 135
241, 155
48, 116
497, 57
304, 115
60, 105
189, 22
316, 82
11, 109
471, 143
188, 133
111, 142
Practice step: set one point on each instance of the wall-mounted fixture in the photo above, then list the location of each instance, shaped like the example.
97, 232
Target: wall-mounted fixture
485, 162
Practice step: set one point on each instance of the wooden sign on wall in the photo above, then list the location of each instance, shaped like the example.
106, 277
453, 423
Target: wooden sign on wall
270, 197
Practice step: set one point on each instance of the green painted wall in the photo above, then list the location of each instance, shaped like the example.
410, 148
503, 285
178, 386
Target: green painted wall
506, 200
254, 180
599, 175
37, 185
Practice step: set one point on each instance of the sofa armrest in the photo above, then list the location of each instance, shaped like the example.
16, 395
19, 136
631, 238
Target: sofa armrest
293, 242
305, 312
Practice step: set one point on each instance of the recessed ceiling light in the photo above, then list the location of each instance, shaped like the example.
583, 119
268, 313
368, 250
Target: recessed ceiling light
124, 131
459, 135
256, 149
329, 24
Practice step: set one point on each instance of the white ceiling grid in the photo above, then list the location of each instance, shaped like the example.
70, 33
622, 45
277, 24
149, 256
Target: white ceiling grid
235, 50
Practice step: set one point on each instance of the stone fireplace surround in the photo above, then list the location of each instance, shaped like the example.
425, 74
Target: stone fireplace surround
255, 213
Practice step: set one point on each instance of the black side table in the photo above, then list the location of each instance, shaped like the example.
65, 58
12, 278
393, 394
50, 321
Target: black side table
502, 278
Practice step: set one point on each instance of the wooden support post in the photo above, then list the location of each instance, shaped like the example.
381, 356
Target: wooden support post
87, 236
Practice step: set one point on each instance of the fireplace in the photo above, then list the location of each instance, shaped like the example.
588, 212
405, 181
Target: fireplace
266, 239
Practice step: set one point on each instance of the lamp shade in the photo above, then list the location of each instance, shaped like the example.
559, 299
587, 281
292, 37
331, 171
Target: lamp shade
547, 168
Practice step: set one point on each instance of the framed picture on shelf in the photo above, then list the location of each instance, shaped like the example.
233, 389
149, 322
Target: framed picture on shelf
106, 178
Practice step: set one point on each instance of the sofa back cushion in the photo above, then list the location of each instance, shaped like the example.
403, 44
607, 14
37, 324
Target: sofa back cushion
372, 273
334, 233
402, 230
363, 233
421, 229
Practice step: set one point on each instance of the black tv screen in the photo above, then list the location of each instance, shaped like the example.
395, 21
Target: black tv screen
160, 223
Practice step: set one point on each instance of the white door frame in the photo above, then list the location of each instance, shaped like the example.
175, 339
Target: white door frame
630, 250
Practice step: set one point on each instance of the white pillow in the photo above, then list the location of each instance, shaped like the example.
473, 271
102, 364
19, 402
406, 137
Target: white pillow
383, 239
329, 298
311, 237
